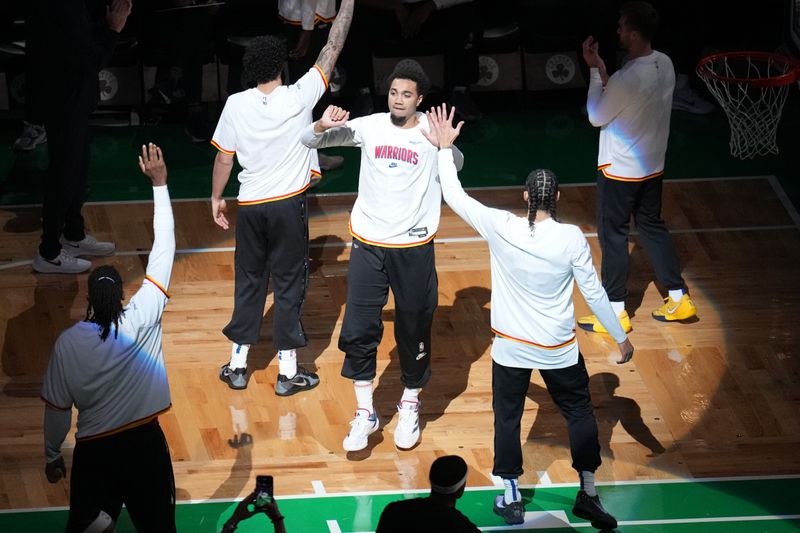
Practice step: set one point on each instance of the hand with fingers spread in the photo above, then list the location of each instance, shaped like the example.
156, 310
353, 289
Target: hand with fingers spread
442, 133
151, 163
333, 117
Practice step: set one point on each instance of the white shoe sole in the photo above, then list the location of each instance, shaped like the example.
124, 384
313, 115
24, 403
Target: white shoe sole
45, 267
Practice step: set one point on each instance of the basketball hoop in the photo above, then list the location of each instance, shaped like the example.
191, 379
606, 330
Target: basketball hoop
751, 87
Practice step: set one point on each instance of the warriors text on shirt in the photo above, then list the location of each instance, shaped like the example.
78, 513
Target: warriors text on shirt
396, 153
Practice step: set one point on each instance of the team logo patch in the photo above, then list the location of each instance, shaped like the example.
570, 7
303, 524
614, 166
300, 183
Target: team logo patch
560, 69
489, 71
109, 85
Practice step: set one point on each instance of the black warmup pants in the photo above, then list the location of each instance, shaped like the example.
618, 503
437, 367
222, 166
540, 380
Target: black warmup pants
616, 202
271, 241
569, 388
411, 274
131, 467
65, 182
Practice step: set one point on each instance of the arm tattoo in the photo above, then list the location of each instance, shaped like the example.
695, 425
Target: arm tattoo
330, 53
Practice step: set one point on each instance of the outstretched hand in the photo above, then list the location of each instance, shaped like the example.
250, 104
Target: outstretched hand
152, 165
442, 134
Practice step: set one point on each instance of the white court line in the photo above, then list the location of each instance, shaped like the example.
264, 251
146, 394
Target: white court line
333, 526
544, 478
319, 488
445, 240
468, 189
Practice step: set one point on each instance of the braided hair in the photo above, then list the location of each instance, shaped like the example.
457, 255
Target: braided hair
542, 187
105, 299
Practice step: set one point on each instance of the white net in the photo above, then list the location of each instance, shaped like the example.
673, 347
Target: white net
752, 90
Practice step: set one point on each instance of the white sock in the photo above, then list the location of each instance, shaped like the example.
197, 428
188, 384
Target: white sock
287, 363
676, 294
410, 395
587, 483
239, 356
512, 491
618, 307
364, 395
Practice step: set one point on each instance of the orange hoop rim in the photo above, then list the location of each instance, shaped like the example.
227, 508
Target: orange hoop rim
791, 75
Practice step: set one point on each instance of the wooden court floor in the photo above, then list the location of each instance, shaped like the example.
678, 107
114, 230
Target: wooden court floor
716, 397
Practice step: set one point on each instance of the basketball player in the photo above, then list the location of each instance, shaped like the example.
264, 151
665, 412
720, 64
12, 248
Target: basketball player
261, 126
110, 367
393, 223
632, 109
535, 260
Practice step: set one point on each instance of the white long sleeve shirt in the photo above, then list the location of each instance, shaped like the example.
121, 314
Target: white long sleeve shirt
633, 114
263, 131
121, 381
532, 275
399, 197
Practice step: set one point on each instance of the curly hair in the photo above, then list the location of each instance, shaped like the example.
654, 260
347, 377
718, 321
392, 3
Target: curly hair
542, 187
411, 70
105, 299
264, 59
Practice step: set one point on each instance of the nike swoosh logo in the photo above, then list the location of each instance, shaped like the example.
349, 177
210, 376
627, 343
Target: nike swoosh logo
56, 263
70, 244
304, 383
670, 311
420, 356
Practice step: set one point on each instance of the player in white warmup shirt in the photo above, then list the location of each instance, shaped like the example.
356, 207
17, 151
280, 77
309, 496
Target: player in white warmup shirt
393, 224
110, 367
535, 260
261, 127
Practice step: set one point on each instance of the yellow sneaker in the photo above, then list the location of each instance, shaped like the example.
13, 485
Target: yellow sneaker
672, 310
590, 323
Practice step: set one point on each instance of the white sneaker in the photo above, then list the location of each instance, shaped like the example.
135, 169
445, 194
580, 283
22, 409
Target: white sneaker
62, 264
406, 434
362, 426
88, 246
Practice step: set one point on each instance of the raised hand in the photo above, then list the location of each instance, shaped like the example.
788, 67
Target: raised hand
117, 14
442, 133
332, 117
591, 53
152, 165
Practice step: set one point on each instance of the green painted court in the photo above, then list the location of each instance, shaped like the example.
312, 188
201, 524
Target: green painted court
733, 505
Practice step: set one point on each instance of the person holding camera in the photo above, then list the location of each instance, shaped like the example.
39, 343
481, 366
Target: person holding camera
256, 502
